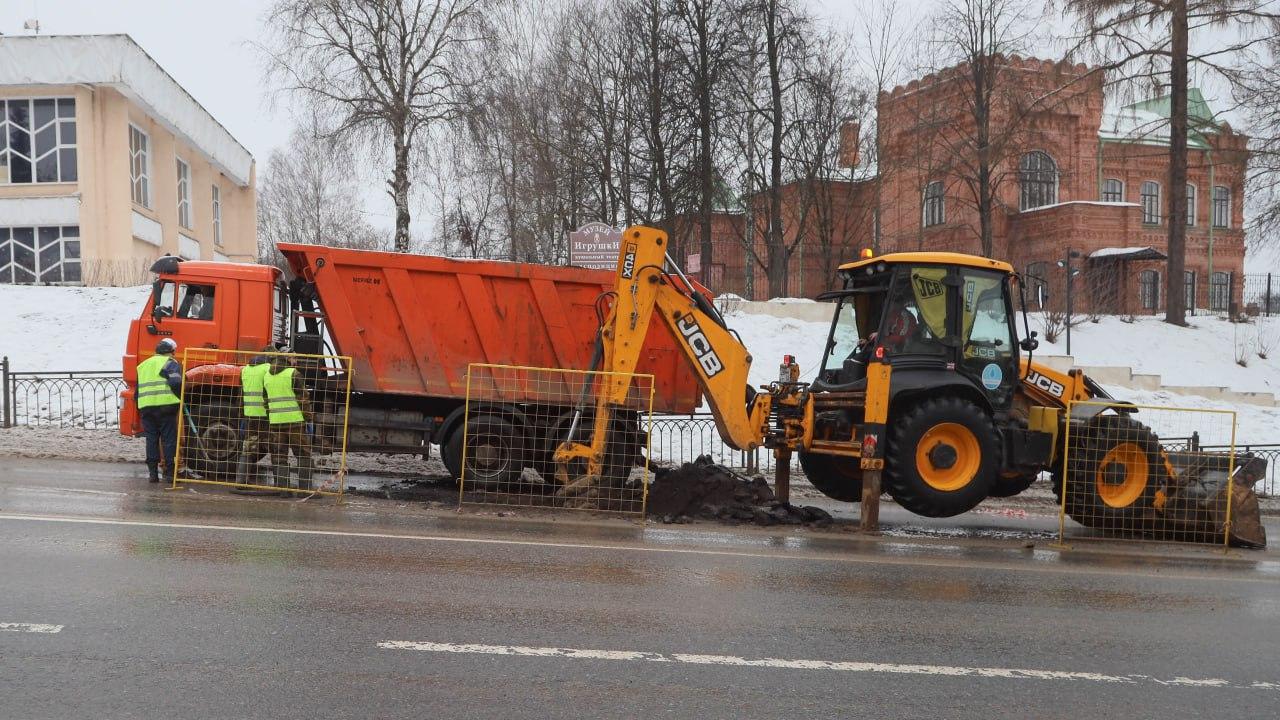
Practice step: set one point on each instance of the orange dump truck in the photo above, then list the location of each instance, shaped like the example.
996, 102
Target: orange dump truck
412, 325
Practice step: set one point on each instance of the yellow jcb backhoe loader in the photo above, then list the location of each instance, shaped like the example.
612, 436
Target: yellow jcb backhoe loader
923, 379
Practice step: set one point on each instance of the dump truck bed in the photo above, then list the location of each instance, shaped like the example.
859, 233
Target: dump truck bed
414, 323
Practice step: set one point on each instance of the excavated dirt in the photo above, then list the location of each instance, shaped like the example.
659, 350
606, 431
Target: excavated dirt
702, 489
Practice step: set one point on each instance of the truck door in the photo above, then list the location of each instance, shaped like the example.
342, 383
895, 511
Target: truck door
188, 311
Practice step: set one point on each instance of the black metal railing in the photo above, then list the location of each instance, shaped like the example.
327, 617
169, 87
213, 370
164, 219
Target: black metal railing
59, 399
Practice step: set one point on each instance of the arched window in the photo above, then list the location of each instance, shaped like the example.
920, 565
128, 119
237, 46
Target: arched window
1221, 207
1151, 203
1149, 289
1220, 291
1112, 190
934, 204
1038, 285
1191, 204
1039, 180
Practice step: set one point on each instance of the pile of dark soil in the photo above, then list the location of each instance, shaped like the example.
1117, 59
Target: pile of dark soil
702, 489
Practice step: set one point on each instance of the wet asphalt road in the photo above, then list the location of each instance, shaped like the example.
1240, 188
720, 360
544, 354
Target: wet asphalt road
279, 612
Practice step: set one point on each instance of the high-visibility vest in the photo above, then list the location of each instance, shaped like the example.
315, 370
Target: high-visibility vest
252, 381
153, 387
282, 404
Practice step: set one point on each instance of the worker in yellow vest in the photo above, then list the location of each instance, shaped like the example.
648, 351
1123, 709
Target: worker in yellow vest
287, 409
255, 430
159, 385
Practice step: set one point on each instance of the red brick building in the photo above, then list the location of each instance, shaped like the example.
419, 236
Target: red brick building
1068, 175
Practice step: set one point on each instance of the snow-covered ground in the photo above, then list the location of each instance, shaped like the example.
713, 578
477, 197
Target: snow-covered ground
66, 328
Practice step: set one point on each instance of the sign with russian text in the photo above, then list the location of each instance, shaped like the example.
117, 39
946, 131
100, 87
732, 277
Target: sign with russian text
595, 246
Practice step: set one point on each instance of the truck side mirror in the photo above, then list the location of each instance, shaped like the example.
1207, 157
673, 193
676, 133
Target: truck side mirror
1029, 344
155, 300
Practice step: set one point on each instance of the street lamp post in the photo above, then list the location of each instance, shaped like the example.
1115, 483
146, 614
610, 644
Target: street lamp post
1065, 263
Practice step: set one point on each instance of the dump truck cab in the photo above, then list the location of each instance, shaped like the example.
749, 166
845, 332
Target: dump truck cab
211, 305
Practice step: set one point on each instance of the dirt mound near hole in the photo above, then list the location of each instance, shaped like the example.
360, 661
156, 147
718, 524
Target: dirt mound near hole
702, 489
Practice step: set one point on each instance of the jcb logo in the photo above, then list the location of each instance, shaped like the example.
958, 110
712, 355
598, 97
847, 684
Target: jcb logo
926, 288
1048, 385
701, 347
629, 262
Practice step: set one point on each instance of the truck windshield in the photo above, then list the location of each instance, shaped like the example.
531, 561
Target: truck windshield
844, 337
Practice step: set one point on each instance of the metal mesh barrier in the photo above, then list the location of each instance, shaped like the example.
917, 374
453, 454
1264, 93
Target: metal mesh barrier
1119, 479
292, 437
516, 418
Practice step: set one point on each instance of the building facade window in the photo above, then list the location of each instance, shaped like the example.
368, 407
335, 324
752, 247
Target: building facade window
1220, 291
1038, 284
1151, 203
38, 141
1189, 290
217, 215
140, 166
1149, 289
1039, 177
1191, 205
30, 255
1221, 207
935, 210
184, 194
1112, 190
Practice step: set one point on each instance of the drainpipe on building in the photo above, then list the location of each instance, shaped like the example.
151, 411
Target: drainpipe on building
1209, 156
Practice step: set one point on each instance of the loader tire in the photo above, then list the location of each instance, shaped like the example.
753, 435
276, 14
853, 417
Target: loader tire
1115, 471
839, 478
943, 457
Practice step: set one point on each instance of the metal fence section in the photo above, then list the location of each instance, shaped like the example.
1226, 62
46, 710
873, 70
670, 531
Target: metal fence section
518, 417
299, 446
59, 399
1121, 479
679, 439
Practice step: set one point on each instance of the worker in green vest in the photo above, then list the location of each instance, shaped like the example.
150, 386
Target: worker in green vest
287, 416
159, 385
255, 430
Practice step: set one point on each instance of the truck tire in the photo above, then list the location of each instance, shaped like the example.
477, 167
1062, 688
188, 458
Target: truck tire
213, 450
623, 447
943, 457
495, 452
837, 477
1116, 469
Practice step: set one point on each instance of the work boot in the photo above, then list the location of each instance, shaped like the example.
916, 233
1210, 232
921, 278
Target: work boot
153, 472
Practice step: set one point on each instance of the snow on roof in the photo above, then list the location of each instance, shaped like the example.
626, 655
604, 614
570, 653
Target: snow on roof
119, 62
1144, 252
1081, 202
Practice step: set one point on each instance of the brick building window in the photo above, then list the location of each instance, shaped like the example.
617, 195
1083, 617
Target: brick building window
1191, 204
1220, 291
38, 140
1151, 203
1189, 290
1039, 176
1112, 190
1149, 289
934, 204
1221, 207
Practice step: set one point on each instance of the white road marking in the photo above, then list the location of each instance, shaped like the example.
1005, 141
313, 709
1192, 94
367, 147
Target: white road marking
29, 627
828, 665
897, 560
80, 491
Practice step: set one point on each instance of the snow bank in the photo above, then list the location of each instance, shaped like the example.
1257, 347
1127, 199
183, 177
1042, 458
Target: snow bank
66, 328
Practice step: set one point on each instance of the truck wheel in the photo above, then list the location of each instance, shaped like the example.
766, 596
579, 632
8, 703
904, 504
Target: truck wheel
494, 453
943, 457
839, 478
214, 450
1115, 470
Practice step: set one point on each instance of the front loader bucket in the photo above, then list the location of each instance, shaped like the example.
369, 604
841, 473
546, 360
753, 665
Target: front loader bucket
1199, 508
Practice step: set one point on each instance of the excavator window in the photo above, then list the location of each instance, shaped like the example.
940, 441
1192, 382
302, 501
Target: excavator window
915, 319
988, 354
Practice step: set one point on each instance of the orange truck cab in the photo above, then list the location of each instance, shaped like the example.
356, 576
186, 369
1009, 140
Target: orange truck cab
412, 326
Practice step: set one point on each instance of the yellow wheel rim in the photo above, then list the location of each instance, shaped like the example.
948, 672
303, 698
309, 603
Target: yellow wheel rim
948, 457
1122, 475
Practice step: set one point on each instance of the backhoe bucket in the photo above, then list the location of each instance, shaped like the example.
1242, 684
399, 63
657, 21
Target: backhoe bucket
1198, 506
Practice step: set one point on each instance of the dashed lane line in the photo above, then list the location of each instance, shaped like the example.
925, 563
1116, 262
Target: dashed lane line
29, 627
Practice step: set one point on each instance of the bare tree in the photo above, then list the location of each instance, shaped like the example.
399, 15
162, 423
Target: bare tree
1149, 40
882, 49
383, 68
308, 194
